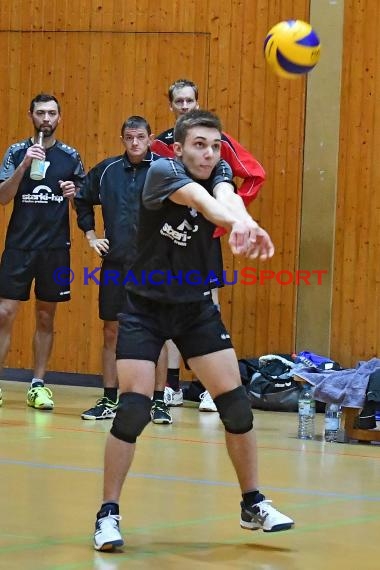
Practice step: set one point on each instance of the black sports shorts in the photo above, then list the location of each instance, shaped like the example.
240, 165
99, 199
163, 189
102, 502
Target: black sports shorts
50, 270
111, 290
145, 324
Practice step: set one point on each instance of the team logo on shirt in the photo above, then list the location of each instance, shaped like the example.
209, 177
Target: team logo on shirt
180, 235
41, 194
224, 336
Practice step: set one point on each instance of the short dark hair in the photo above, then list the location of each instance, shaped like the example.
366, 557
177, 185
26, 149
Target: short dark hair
136, 122
196, 118
180, 84
43, 98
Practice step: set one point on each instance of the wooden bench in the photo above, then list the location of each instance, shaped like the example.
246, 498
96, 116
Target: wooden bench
347, 429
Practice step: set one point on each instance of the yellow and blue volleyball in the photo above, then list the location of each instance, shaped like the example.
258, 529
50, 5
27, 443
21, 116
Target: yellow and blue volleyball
292, 48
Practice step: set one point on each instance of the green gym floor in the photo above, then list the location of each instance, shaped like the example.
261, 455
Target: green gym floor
180, 505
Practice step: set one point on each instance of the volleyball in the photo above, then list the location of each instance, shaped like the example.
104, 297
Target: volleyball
292, 48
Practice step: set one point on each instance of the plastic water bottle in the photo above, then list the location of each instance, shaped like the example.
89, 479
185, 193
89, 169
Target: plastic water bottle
37, 169
306, 413
332, 422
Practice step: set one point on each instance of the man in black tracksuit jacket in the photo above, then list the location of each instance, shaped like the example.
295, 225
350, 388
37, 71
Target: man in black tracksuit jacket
116, 184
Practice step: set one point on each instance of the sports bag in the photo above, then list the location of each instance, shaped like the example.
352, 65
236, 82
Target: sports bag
269, 382
278, 395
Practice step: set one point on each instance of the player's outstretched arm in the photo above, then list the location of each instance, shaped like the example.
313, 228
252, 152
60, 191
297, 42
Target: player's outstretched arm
246, 238
259, 243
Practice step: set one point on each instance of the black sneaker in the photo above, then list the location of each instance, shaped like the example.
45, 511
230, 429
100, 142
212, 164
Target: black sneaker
365, 422
262, 516
160, 413
367, 417
104, 409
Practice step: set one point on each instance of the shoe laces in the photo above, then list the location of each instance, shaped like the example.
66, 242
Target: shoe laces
38, 389
105, 402
265, 508
168, 394
160, 406
205, 396
115, 518
108, 521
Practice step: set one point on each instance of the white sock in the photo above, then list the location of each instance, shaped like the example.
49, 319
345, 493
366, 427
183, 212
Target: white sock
37, 380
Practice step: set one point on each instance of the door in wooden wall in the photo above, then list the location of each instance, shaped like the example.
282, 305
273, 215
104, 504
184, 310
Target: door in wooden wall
100, 78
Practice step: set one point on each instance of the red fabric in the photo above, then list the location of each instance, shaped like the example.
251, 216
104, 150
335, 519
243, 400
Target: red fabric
161, 148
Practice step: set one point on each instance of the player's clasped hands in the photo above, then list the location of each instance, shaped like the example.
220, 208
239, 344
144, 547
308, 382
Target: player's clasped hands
248, 239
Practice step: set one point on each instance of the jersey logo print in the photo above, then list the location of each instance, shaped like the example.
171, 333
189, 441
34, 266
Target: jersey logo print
41, 194
185, 225
180, 235
41, 187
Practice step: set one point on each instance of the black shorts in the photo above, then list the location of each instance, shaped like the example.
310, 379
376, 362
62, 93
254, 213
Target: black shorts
49, 268
144, 326
215, 263
111, 290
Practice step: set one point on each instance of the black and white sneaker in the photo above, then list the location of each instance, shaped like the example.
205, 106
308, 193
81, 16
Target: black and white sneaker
104, 409
160, 413
262, 516
107, 534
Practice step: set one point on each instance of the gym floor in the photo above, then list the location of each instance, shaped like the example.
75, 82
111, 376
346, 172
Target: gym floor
180, 505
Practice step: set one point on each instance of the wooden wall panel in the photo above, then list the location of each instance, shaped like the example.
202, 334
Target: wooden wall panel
95, 99
108, 59
356, 301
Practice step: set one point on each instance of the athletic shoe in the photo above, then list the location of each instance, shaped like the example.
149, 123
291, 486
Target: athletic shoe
173, 397
40, 397
265, 517
107, 534
365, 422
160, 413
1, 398
367, 417
207, 403
104, 409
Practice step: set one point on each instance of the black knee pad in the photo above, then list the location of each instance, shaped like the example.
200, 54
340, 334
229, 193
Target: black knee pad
132, 415
235, 410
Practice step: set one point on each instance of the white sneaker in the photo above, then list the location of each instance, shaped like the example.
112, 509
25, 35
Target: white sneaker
107, 534
265, 517
172, 397
207, 403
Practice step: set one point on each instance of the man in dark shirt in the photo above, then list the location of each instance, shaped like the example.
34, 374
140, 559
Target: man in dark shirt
38, 235
116, 184
183, 97
168, 296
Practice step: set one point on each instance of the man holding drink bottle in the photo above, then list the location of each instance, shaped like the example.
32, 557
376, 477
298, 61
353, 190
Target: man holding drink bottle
41, 175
